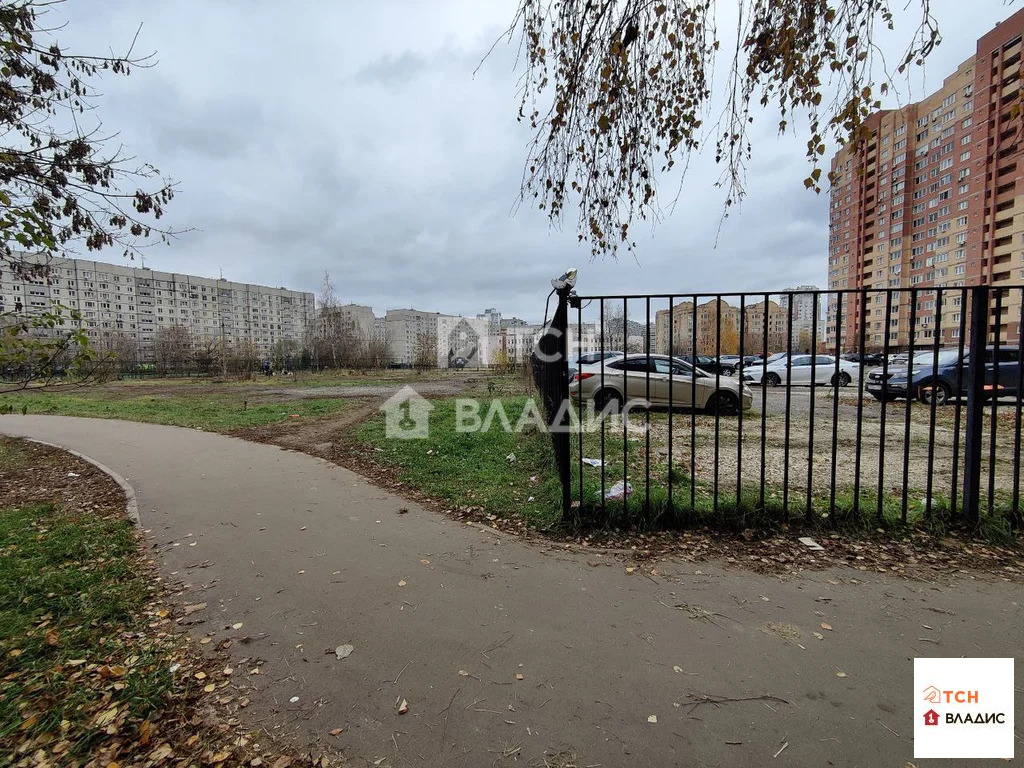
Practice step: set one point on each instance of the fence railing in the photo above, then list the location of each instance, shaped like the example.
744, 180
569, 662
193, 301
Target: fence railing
747, 406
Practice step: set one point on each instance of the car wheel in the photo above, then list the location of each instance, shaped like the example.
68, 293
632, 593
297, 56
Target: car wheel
728, 371
723, 404
841, 379
772, 380
937, 391
610, 399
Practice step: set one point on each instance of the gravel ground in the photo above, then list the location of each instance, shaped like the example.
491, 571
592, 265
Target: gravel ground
876, 454
435, 387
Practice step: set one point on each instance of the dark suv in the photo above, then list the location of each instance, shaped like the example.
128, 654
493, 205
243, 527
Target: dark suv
931, 378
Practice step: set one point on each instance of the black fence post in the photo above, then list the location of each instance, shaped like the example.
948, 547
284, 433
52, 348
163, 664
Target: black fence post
975, 403
551, 373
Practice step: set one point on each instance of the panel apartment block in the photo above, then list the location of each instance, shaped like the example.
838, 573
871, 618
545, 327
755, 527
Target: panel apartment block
136, 302
931, 197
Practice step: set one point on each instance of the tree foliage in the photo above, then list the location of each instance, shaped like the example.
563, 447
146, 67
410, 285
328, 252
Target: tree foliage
65, 183
620, 91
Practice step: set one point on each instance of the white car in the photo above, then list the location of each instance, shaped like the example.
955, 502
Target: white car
796, 369
661, 381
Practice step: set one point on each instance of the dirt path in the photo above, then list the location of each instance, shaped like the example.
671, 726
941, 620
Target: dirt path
503, 652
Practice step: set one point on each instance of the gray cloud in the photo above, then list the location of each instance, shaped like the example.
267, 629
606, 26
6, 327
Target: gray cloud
354, 138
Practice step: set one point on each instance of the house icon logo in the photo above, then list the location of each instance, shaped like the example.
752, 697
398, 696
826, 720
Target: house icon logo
931, 717
932, 695
407, 415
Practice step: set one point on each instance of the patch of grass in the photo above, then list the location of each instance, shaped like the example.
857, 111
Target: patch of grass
213, 412
72, 587
472, 468
11, 455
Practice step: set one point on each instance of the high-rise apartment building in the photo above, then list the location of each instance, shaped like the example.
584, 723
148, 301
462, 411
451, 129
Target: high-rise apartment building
116, 300
932, 196
806, 303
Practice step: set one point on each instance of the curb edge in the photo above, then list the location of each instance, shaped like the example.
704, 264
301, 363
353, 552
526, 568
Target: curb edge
131, 502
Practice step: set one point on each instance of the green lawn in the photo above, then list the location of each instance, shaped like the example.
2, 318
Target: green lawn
473, 468
72, 588
219, 413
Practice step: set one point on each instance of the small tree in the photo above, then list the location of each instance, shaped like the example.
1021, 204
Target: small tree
729, 339
172, 348
804, 342
425, 351
60, 185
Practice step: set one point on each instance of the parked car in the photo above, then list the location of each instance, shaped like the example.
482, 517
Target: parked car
659, 379
709, 364
796, 369
900, 358
730, 364
937, 379
867, 359
591, 358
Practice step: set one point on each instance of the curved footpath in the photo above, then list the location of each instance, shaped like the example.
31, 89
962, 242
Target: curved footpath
309, 556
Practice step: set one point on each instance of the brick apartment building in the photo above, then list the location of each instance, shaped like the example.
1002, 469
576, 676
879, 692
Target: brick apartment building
932, 196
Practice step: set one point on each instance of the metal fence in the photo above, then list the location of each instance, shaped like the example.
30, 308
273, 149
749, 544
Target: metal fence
735, 408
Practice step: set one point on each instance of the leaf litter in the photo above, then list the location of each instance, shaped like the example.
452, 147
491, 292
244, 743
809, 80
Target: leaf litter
111, 680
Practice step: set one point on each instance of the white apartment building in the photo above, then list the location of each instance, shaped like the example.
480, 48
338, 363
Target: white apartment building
356, 319
135, 302
805, 307
410, 334
517, 342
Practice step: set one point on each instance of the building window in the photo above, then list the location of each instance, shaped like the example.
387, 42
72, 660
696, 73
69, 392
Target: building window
965, 156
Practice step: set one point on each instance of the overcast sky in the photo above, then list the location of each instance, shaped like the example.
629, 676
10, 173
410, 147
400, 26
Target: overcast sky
353, 137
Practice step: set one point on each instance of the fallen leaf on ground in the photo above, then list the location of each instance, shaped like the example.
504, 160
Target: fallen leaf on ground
463, 673
818, 635
676, 668
841, 674
343, 651
826, 625
652, 718
403, 707
237, 626
336, 731
161, 753
519, 675
402, 583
